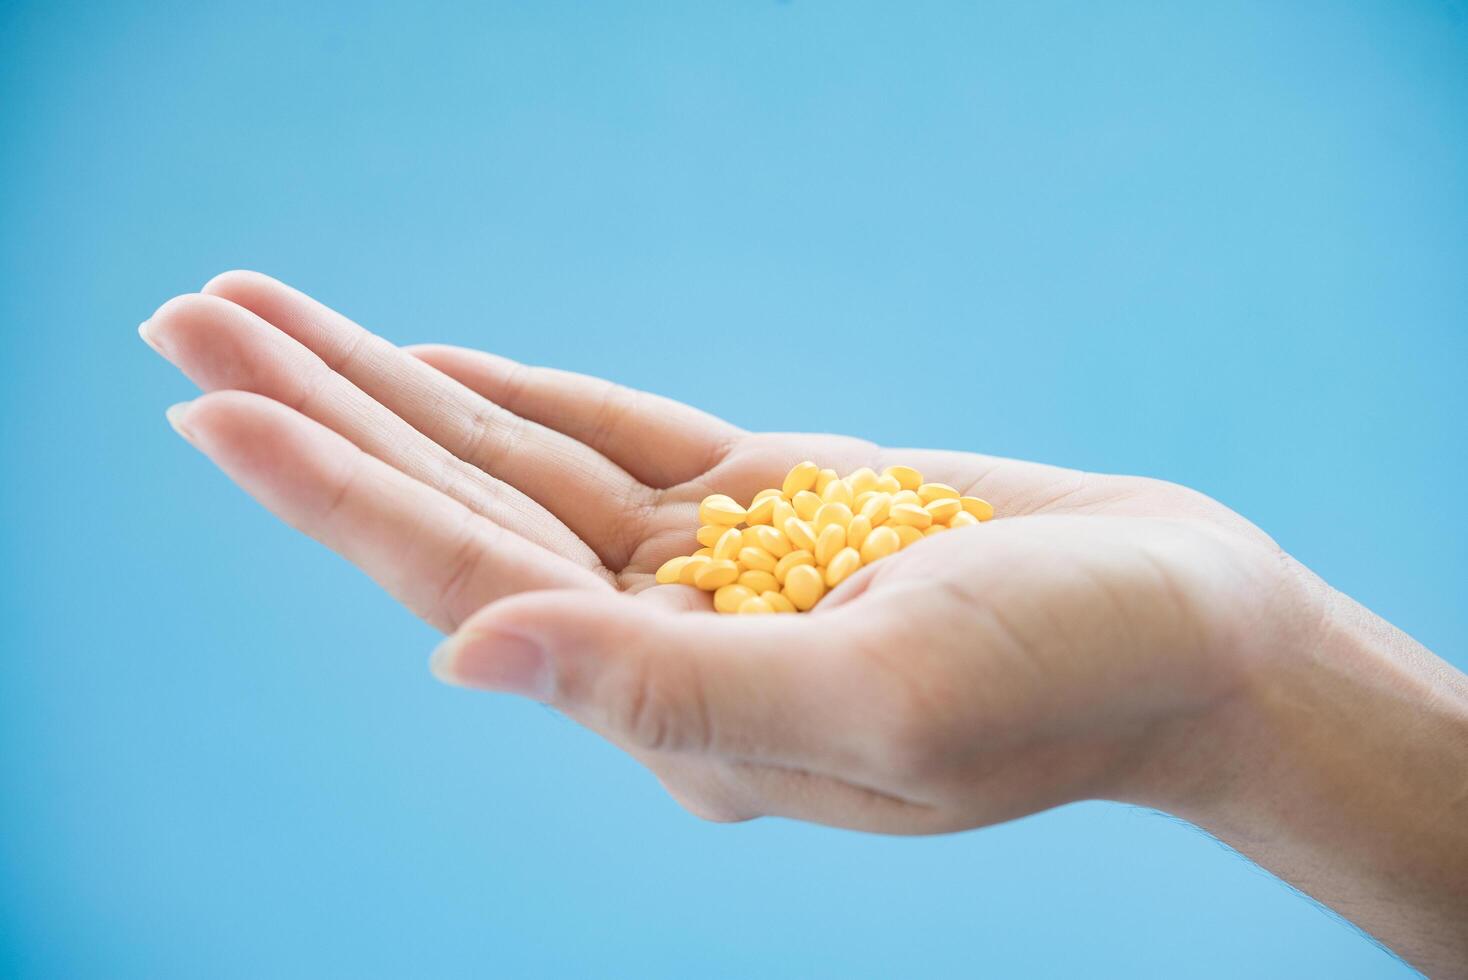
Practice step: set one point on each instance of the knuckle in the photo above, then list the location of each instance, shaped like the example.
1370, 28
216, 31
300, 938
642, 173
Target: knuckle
657, 709
350, 354
449, 599
493, 436
517, 381
615, 405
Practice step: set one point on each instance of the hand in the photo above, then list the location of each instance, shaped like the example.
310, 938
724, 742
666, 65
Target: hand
980, 676
1102, 637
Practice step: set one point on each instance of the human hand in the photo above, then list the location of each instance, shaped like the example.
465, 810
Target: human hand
1053, 654
1104, 636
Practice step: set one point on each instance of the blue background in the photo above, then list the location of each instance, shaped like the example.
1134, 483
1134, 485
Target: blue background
1221, 243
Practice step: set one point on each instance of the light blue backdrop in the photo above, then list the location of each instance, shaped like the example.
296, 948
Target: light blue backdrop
1222, 243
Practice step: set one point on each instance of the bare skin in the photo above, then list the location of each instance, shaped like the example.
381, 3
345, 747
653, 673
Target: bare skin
1104, 637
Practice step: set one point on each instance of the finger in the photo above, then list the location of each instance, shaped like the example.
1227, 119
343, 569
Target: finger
439, 558
774, 688
593, 496
221, 346
659, 441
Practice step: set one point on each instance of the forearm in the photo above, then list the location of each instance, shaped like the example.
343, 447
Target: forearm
1349, 779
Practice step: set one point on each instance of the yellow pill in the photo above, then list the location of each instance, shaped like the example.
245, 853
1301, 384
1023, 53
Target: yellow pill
709, 534
907, 478
857, 531
769, 492
862, 480
943, 509
762, 511
907, 497
888, 484
963, 519
977, 506
801, 477
936, 491
838, 492
783, 512
846, 561
668, 571
719, 508
729, 544
877, 507
778, 602
691, 566
832, 514
860, 500
831, 540
801, 534
758, 581
749, 538
755, 604
883, 541
823, 478
806, 504
757, 559
728, 597
928, 532
910, 514
704, 553
804, 586
906, 535
772, 540
714, 573
795, 558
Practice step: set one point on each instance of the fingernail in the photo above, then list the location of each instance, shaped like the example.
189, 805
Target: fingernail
174, 414
496, 661
146, 332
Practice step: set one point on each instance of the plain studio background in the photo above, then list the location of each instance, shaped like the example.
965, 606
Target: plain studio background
1223, 244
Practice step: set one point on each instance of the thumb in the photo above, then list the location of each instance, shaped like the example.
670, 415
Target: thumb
783, 688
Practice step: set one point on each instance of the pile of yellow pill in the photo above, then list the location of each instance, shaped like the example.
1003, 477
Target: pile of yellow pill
793, 543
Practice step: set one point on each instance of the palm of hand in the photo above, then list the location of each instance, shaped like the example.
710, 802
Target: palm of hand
971, 660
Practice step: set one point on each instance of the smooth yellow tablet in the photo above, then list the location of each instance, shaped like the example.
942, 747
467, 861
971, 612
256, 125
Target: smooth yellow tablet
714, 573
722, 509
841, 566
668, 571
728, 597
801, 477
804, 586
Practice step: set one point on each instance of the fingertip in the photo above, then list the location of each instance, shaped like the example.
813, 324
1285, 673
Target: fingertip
175, 414
187, 331
494, 660
156, 328
241, 427
226, 281
145, 331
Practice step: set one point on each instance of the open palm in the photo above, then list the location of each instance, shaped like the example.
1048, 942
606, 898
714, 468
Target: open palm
972, 677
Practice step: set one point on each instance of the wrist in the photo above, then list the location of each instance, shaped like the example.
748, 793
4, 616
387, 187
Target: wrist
1342, 766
